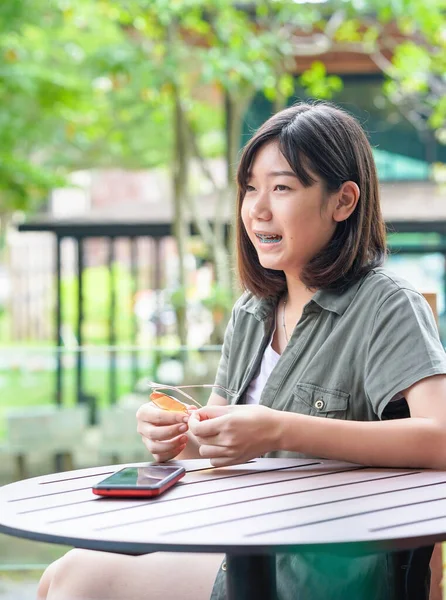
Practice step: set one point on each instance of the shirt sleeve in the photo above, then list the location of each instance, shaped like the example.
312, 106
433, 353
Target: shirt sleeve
404, 347
222, 370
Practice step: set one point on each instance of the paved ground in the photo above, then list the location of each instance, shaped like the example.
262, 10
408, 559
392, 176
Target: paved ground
22, 585
11, 589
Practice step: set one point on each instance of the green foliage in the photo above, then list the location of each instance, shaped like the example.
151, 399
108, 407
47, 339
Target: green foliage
89, 83
417, 82
97, 303
415, 74
412, 66
318, 83
220, 298
24, 184
349, 31
178, 298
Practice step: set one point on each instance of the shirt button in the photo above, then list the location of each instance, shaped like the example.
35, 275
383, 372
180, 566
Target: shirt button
319, 404
224, 566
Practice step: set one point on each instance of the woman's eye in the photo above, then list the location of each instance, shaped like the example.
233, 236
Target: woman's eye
282, 188
249, 188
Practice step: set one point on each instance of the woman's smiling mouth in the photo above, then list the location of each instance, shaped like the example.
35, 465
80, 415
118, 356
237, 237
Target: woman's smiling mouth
268, 238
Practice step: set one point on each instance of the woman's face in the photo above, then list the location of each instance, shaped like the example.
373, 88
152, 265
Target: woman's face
287, 223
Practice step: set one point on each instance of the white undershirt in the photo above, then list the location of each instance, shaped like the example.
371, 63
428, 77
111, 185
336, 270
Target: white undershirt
255, 388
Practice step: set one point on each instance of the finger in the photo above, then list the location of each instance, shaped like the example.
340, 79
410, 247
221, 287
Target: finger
161, 458
165, 456
208, 451
160, 433
156, 447
205, 429
215, 440
150, 414
211, 412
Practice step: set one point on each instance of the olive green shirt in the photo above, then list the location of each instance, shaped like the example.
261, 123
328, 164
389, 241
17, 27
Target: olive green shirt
350, 356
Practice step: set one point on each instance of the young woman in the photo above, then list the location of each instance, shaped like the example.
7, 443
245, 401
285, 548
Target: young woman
324, 349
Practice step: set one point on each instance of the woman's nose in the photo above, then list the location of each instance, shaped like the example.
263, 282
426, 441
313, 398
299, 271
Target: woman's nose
260, 209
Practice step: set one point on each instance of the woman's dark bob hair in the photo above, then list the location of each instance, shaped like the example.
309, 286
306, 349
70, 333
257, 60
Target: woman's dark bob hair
322, 140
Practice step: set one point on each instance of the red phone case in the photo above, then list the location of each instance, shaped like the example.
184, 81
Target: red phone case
132, 493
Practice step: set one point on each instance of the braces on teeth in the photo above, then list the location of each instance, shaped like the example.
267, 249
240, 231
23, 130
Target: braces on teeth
269, 239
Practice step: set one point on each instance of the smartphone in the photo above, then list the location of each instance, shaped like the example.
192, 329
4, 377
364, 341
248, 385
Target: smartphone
140, 482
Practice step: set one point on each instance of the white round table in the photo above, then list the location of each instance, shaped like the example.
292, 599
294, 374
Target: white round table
250, 512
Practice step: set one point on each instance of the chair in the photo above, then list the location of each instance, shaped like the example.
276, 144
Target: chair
52, 430
436, 562
118, 440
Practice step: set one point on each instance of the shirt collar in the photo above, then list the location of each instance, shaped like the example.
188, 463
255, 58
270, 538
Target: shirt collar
337, 301
332, 300
261, 308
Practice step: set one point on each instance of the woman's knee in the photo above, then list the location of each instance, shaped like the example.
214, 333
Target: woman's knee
82, 574
64, 575
48, 577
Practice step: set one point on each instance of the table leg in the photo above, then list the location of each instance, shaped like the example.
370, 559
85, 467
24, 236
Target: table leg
250, 577
411, 568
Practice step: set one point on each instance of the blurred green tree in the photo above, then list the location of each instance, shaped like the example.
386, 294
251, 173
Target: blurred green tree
91, 83
139, 83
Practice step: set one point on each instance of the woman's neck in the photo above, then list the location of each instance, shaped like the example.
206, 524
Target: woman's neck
289, 312
297, 295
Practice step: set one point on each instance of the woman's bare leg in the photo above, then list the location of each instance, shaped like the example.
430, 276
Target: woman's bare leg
88, 575
45, 580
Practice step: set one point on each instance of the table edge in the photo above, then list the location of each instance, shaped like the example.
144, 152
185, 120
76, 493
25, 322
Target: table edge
352, 548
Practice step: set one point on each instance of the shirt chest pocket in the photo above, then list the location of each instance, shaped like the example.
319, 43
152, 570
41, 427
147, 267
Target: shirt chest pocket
316, 401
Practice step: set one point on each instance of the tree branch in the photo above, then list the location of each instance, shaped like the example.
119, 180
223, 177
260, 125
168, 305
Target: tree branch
197, 153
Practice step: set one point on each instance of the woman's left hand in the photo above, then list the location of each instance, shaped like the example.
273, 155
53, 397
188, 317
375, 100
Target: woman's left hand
234, 434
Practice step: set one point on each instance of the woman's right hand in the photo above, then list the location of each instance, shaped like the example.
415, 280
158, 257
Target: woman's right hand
163, 433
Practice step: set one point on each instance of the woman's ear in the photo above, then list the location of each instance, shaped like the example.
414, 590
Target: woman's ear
346, 201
